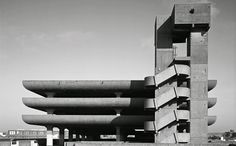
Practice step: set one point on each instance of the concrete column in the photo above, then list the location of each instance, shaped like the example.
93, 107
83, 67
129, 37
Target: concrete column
77, 136
50, 111
197, 43
50, 94
90, 137
120, 136
118, 129
61, 137
96, 137
70, 135
49, 136
83, 137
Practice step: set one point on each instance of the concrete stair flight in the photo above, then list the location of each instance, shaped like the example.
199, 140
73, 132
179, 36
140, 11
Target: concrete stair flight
174, 70
167, 96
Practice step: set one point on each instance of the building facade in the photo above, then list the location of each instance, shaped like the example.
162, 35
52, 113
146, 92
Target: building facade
169, 107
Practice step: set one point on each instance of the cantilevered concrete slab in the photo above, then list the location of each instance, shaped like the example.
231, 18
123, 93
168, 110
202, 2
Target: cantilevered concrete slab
87, 120
94, 88
116, 103
127, 106
88, 88
211, 84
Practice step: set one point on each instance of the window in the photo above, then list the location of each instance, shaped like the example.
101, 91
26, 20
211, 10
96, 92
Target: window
26, 132
11, 132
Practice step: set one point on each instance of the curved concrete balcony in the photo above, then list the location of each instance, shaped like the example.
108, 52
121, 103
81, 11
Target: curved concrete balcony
211, 102
211, 120
134, 106
211, 84
88, 88
87, 120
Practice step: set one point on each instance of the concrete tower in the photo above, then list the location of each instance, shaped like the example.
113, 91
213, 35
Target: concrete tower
181, 79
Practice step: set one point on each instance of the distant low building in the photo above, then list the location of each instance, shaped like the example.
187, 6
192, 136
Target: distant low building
229, 136
22, 137
26, 134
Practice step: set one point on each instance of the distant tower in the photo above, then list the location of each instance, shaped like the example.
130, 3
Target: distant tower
181, 78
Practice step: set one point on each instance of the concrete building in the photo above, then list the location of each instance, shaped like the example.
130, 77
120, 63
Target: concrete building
169, 107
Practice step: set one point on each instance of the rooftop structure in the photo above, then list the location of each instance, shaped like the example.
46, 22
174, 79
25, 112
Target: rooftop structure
168, 107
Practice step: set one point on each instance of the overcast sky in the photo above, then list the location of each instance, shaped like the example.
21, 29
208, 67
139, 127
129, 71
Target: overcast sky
100, 39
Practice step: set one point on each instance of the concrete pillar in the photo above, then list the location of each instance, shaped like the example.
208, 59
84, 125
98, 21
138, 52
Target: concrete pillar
96, 137
118, 129
49, 140
77, 136
70, 135
197, 43
83, 138
120, 136
50, 94
49, 136
90, 137
50, 111
61, 137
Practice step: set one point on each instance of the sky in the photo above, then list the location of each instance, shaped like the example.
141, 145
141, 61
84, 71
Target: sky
100, 40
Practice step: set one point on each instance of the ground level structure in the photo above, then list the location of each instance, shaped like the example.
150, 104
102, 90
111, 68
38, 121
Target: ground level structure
170, 107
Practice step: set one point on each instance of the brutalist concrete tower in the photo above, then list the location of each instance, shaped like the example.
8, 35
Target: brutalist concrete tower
169, 107
181, 79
